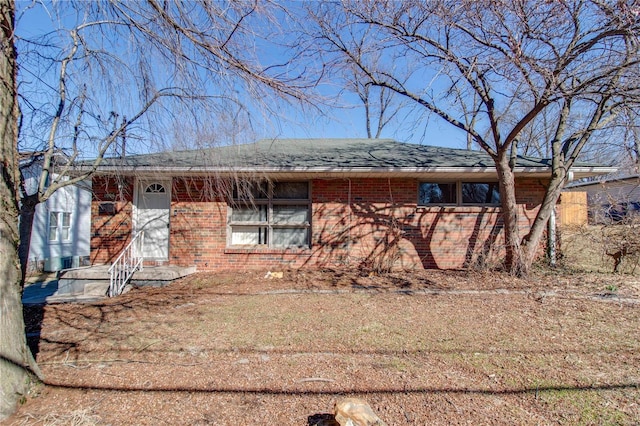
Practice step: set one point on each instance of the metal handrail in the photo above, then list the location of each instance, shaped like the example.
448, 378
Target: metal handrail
129, 261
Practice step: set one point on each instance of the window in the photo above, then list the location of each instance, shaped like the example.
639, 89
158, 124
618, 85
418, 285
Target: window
270, 214
59, 226
155, 188
458, 193
106, 209
480, 193
437, 193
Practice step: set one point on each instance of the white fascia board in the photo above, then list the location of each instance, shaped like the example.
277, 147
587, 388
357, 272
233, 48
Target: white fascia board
457, 172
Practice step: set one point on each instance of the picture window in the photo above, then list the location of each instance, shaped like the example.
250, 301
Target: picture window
458, 193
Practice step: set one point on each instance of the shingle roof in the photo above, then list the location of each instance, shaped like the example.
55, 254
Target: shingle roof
631, 179
331, 155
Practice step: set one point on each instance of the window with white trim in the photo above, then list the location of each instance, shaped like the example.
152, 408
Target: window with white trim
458, 193
274, 215
59, 226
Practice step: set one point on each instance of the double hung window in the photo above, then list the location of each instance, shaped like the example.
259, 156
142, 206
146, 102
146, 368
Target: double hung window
59, 226
273, 214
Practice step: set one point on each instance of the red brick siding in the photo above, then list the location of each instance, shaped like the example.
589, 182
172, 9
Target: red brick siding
347, 228
110, 233
197, 225
431, 237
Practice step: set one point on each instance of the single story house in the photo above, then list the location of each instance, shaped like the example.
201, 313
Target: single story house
291, 203
610, 198
61, 229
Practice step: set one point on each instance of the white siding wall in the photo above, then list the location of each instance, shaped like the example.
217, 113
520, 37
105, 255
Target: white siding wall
71, 199
611, 192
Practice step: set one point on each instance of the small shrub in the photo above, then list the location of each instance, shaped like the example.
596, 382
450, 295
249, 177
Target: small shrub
594, 247
622, 242
612, 288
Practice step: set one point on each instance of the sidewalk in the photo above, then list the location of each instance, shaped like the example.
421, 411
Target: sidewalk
37, 293
45, 292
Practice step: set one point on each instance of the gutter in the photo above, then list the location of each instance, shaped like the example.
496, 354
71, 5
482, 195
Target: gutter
578, 171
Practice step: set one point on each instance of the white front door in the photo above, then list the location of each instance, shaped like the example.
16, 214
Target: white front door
152, 207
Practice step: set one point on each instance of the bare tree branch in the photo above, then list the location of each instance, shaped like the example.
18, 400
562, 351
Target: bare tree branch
499, 71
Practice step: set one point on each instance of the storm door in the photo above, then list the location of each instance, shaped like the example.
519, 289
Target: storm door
152, 208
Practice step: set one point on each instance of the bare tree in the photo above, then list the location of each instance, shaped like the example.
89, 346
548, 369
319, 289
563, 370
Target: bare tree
631, 138
510, 63
16, 362
106, 70
379, 110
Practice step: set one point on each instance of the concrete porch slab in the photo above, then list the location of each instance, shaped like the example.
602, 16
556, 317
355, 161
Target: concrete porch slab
148, 274
90, 284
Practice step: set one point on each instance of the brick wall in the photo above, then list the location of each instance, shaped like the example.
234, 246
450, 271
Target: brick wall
368, 223
111, 221
394, 229
197, 225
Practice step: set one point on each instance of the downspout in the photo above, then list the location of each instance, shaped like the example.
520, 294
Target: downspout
551, 235
552, 254
349, 222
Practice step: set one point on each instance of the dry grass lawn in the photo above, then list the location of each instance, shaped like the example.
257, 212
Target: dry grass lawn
435, 348
585, 248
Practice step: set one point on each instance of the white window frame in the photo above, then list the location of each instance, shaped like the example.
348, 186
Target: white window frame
267, 225
458, 202
62, 231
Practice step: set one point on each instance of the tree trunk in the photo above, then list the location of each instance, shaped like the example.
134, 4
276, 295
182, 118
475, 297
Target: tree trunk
515, 262
636, 148
27, 214
17, 365
531, 241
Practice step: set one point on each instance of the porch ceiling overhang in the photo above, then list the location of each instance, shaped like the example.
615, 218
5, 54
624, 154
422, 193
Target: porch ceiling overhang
289, 173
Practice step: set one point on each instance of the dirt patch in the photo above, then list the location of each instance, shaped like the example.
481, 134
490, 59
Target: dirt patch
426, 347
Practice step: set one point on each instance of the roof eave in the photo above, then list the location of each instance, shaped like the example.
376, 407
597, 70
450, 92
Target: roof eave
355, 172
578, 172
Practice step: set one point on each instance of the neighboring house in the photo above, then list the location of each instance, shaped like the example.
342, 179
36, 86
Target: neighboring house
311, 202
61, 229
610, 198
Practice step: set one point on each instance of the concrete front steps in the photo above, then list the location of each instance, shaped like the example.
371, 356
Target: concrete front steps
92, 283
79, 291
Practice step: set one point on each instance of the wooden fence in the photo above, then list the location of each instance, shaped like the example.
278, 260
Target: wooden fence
573, 209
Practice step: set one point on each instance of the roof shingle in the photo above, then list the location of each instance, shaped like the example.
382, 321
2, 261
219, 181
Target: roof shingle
330, 154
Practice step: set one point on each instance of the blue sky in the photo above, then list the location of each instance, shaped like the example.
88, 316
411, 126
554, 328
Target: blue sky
348, 120
344, 120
